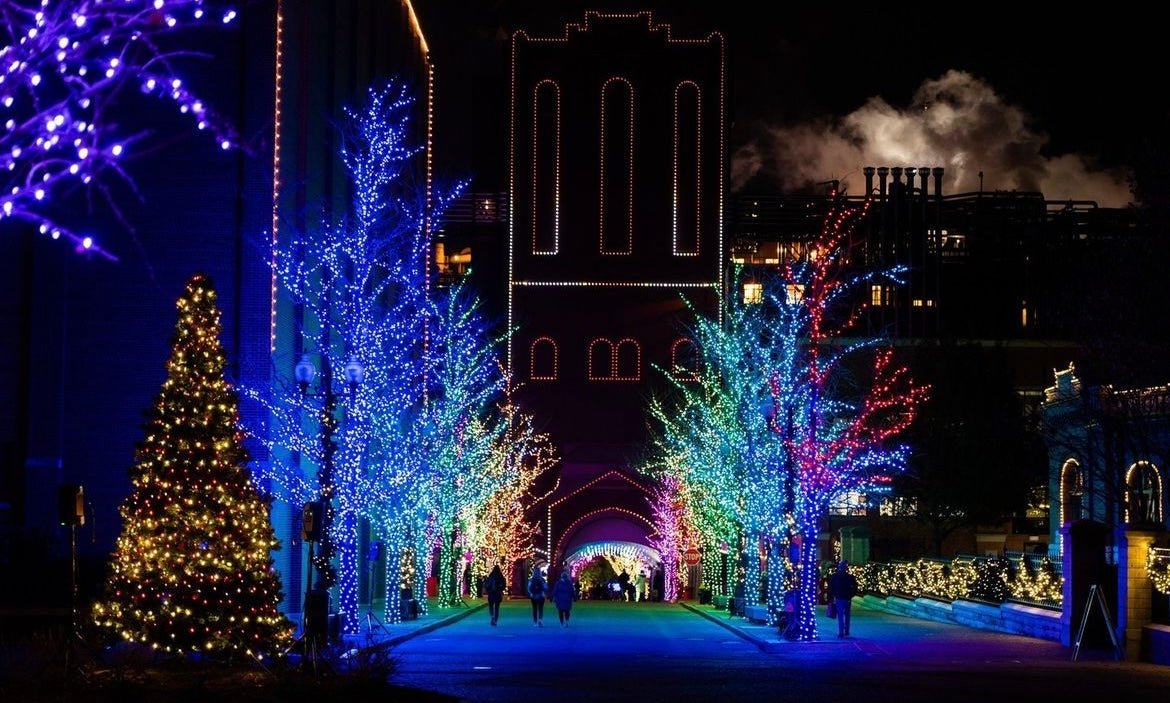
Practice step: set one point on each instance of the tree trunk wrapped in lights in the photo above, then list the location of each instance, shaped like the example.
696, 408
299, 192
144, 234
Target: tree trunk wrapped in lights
770, 429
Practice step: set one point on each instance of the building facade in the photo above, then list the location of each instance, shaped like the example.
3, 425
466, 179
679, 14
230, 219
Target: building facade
617, 187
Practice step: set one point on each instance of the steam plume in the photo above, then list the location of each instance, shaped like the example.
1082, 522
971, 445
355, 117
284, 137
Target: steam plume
956, 121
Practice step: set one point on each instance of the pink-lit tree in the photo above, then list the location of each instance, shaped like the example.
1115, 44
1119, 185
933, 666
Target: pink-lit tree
775, 427
67, 71
835, 442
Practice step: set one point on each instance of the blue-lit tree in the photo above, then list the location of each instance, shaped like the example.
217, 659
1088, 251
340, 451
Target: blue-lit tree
362, 285
777, 424
68, 69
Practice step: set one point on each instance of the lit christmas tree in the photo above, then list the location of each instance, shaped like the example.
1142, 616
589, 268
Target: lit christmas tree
66, 65
192, 571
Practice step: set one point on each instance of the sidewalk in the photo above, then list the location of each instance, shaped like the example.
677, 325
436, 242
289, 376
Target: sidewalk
873, 632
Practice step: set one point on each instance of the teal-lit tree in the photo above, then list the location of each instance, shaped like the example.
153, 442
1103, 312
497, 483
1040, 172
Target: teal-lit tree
719, 434
461, 423
192, 571
778, 426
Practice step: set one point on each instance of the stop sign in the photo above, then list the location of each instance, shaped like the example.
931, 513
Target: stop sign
691, 556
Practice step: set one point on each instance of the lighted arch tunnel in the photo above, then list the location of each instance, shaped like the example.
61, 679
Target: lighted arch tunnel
646, 557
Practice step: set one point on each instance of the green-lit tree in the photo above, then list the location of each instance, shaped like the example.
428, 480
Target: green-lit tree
794, 410
192, 571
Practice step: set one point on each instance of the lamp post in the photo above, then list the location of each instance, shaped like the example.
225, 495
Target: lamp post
305, 372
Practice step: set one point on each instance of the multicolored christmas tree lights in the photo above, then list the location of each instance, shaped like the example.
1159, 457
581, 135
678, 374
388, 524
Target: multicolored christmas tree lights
770, 432
192, 571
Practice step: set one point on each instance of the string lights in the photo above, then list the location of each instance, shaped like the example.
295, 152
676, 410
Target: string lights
766, 433
63, 65
192, 571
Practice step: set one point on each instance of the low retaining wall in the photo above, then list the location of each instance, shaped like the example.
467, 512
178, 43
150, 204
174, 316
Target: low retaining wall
1011, 618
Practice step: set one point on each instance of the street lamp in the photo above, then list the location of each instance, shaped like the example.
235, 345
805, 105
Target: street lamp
305, 372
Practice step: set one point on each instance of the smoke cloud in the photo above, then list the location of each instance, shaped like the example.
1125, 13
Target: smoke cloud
956, 121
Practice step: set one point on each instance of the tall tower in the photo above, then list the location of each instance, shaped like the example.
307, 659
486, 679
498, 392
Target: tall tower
617, 184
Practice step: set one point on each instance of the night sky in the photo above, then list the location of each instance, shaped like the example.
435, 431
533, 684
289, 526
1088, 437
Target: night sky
1027, 101
1058, 102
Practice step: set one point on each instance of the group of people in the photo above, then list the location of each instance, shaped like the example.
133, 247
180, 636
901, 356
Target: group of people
842, 589
564, 592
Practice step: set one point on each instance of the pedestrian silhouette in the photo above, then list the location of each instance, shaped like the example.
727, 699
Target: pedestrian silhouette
562, 595
494, 586
536, 589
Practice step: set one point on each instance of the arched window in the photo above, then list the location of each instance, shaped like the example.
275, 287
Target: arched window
615, 362
543, 359
687, 185
684, 360
1072, 491
616, 188
546, 167
1143, 485
601, 354
628, 361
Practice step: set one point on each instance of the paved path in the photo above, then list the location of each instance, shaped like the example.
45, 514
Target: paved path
643, 652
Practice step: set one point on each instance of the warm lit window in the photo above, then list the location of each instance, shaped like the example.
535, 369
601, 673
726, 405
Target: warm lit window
794, 293
898, 506
753, 293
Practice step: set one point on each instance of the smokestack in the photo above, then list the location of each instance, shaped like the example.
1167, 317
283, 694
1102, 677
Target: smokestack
896, 172
937, 171
882, 172
868, 171
925, 173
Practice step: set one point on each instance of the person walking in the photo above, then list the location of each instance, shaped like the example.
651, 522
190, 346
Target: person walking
494, 586
640, 587
536, 589
842, 588
562, 595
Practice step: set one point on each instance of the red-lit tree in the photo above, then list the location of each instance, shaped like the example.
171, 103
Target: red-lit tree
192, 571
835, 442
775, 428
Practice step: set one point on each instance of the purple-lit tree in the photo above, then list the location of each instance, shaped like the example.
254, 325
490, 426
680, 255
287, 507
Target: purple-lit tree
67, 69
839, 443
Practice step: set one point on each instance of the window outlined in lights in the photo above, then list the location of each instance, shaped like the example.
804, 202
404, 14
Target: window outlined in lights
615, 362
542, 359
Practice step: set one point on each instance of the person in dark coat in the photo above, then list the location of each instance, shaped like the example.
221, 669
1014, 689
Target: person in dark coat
842, 588
493, 587
562, 596
536, 593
